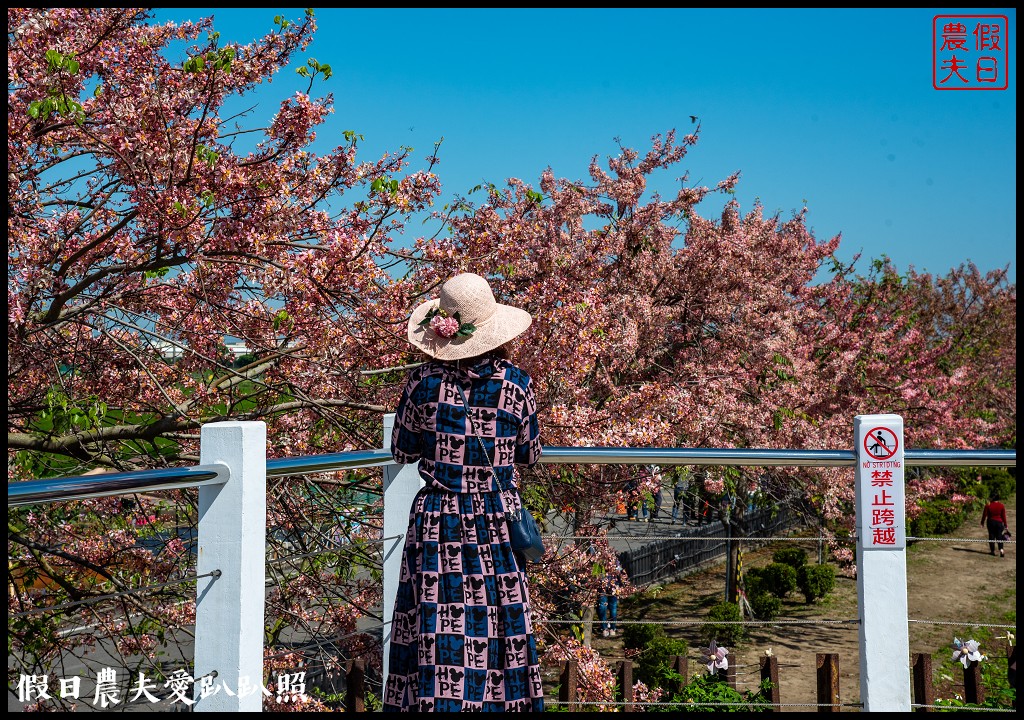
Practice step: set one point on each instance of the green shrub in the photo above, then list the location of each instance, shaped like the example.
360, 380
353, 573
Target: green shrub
1000, 481
641, 635
765, 606
753, 581
796, 557
654, 666
709, 693
722, 634
779, 579
937, 517
816, 581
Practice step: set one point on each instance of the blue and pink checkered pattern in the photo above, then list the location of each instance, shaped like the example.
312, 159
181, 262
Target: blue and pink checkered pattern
462, 634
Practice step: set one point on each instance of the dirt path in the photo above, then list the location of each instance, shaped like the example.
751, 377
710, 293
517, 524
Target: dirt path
951, 581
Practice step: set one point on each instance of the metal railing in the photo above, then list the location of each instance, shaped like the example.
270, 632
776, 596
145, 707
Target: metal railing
232, 485
81, 487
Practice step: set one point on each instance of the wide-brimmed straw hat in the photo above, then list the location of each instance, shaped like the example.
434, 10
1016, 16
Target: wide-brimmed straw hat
464, 320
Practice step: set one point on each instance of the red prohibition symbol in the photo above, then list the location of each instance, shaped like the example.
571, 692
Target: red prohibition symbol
881, 443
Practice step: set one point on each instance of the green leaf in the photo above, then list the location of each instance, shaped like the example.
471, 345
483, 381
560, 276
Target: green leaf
53, 59
280, 319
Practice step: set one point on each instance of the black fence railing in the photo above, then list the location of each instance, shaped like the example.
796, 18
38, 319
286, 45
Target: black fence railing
670, 559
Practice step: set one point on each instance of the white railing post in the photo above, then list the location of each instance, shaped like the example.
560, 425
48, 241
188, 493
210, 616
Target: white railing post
882, 563
401, 483
232, 539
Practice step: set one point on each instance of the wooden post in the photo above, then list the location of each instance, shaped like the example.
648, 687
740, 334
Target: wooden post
626, 684
924, 691
355, 685
828, 682
770, 672
1011, 667
729, 675
570, 677
974, 693
679, 665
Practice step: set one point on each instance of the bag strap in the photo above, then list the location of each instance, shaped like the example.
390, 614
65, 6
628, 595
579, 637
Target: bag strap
472, 423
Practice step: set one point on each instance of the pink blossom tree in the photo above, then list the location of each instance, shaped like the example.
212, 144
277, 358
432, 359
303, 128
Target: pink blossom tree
150, 220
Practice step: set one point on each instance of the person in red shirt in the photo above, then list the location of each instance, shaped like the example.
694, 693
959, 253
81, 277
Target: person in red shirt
994, 518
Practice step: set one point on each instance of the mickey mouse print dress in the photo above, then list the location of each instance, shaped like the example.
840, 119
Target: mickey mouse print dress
462, 633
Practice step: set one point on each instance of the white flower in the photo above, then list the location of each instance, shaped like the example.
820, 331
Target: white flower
967, 652
715, 657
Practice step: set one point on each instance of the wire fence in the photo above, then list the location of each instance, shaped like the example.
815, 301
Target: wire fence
651, 556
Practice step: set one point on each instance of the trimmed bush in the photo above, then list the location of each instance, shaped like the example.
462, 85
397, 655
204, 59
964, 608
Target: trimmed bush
779, 579
795, 557
998, 481
641, 635
727, 635
937, 517
654, 665
816, 581
753, 582
765, 606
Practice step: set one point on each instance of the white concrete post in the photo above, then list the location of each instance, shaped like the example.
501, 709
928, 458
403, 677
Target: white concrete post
401, 483
882, 563
232, 539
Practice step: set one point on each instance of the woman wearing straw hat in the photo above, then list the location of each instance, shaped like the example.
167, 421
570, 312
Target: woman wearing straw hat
462, 631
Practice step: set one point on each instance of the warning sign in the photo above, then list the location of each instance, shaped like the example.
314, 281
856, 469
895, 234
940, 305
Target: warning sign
881, 512
881, 443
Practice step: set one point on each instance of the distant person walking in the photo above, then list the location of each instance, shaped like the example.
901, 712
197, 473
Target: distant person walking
679, 494
608, 601
655, 473
632, 493
993, 517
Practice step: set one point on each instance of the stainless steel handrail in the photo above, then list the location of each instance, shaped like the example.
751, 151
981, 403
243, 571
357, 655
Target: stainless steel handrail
306, 464
767, 457
80, 487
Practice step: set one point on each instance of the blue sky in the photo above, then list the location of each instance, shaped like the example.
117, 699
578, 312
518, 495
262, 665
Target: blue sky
832, 109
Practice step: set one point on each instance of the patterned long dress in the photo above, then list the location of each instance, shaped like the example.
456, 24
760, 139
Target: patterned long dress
462, 633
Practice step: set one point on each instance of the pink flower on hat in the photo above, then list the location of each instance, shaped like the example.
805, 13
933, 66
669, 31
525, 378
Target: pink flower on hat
446, 327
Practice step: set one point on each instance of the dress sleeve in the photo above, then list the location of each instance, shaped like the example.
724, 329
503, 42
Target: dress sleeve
405, 434
528, 448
